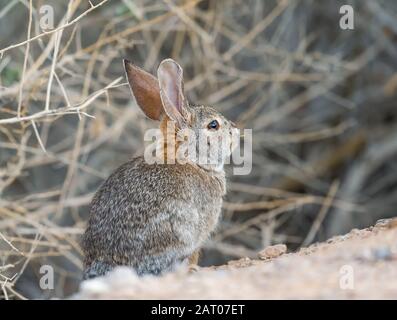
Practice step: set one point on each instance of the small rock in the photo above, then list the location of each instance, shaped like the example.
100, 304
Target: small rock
386, 223
272, 251
241, 263
383, 253
393, 223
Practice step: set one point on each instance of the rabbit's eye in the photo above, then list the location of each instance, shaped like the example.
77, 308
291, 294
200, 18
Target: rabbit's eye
214, 125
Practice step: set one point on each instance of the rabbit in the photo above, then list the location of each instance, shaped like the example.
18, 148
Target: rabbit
154, 217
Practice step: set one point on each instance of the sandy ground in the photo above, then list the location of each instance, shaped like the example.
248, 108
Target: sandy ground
360, 264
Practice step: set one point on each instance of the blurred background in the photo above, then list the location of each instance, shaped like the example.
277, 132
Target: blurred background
321, 102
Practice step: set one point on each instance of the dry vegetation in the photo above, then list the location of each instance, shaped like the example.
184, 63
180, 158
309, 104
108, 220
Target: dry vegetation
320, 101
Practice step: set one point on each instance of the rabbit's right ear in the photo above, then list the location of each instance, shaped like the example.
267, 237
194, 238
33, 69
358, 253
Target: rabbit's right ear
170, 76
145, 88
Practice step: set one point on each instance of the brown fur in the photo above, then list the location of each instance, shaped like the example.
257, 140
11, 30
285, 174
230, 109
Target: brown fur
152, 217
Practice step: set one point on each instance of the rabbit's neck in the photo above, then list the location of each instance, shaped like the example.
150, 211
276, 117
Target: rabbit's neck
215, 173
167, 143
215, 168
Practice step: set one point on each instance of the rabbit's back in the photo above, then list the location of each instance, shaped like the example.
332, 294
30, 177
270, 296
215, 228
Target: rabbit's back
151, 217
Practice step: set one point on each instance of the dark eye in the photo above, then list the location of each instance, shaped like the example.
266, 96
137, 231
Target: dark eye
214, 125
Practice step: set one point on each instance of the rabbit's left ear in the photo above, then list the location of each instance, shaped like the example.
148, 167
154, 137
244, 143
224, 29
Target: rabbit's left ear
145, 88
170, 77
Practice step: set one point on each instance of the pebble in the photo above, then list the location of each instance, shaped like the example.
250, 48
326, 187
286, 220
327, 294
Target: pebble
383, 253
272, 251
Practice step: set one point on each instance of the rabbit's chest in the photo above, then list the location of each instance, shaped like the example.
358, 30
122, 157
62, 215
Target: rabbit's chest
204, 214
198, 222
209, 211
202, 201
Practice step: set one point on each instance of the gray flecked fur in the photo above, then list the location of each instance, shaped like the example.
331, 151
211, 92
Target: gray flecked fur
136, 221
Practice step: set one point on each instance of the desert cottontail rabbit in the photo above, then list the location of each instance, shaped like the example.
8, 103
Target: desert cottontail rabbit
153, 216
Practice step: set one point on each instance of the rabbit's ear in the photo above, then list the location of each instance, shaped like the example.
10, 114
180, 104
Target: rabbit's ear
170, 76
145, 88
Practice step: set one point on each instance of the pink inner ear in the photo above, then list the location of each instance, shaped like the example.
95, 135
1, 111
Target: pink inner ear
171, 90
171, 83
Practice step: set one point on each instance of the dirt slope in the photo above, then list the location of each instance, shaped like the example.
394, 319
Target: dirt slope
360, 264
